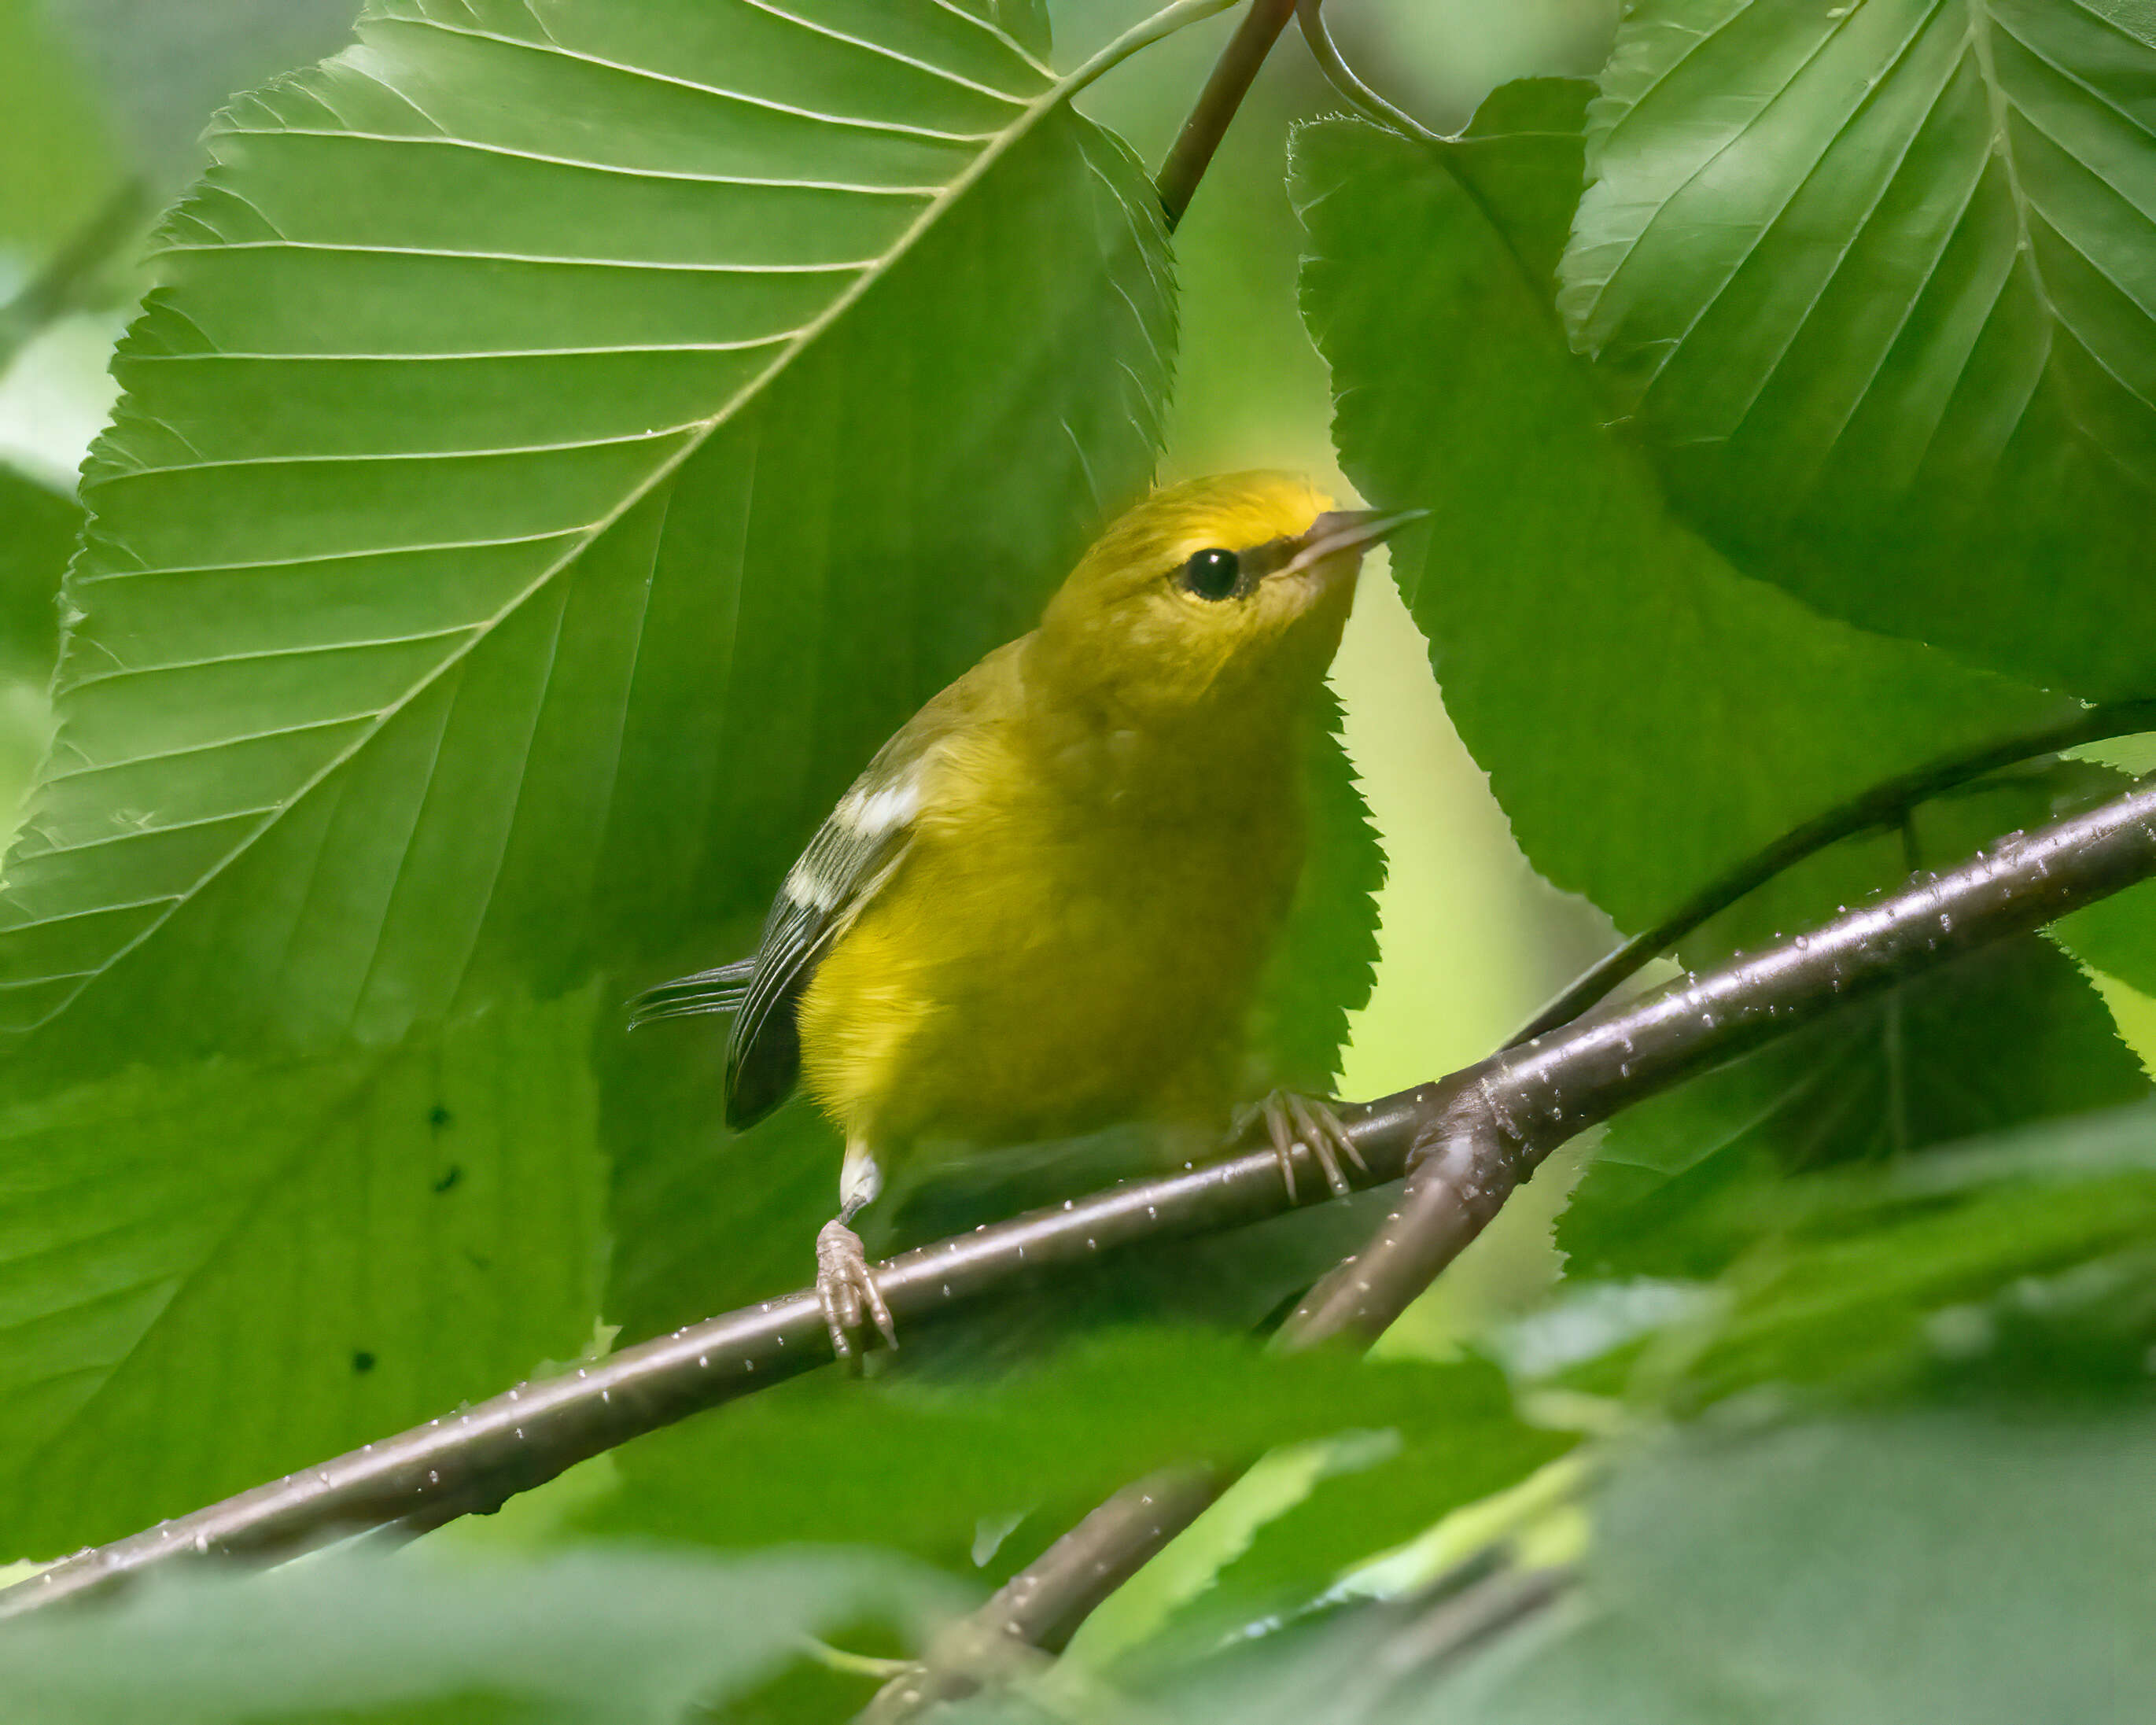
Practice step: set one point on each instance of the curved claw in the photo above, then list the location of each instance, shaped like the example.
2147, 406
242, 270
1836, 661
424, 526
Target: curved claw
847, 1289
1281, 1134
1294, 1122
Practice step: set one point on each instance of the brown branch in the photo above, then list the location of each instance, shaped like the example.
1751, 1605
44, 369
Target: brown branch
1465, 1142
1037, 1610
1232, 75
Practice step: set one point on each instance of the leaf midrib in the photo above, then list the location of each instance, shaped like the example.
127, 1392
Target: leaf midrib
998, 146
2002, 109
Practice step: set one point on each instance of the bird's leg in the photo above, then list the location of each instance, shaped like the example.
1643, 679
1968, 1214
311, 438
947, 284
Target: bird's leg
844, 1282
1294, 1122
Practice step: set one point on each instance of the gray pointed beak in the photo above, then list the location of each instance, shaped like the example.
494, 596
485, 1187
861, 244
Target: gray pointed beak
1347, 530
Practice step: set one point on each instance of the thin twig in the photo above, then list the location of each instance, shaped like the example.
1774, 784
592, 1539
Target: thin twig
1232, 76
1036, 1611
1887, 804
1466, 1141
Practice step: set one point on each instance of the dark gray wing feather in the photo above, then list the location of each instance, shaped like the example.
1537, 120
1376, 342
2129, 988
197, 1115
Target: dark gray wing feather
851, 856
840, 871
720, 990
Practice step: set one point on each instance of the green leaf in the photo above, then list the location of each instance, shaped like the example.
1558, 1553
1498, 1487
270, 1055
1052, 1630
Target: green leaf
517, 531
1872, 281
1984, 1570
564, 445
1521, 159
919, 1467
1477, 1445
587, 1635
374, 1237
2116, 935
1326, 959
1646, 715
2009, 1035
2025, 1265
37, 530
1927, 1568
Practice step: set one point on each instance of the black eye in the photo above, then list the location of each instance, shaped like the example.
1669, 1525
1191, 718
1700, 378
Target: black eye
1212, 574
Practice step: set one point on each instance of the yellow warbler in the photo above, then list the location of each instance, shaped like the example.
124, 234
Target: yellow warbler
1044, 907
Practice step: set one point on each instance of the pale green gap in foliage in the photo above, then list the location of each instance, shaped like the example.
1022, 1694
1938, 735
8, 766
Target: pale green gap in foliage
1875, 283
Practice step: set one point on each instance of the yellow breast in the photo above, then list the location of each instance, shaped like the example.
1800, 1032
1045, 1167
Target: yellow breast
1069, 943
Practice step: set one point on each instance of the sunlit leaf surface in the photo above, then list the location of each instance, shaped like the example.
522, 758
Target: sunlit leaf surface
547, 413
1874, 281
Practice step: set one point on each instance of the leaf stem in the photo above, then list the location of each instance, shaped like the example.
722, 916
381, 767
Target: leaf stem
1143, 34
1373, 107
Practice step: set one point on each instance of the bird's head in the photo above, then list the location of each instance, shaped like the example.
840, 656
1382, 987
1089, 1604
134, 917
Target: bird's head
1211, 594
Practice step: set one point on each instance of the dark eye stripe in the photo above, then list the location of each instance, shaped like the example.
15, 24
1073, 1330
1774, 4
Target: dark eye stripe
1212, 574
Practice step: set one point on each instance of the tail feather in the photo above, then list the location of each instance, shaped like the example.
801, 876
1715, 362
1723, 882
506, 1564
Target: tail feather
722, 990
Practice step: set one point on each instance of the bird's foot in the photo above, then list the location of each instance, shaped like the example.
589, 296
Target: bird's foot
1294, 1122
847, 1287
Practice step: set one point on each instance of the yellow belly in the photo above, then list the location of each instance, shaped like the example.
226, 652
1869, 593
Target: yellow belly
1038, 976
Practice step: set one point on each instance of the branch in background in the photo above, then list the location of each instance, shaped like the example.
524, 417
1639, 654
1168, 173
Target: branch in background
1365, 101
1465, 1142
1233, 74
1037, 1610
63, 285
1116, 1540
1886, 804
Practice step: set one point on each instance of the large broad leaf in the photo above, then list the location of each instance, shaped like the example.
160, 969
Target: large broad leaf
1935, 1567
1867, 1572
210, 1276
1874, 282
590, 1636
2008, 1035
1646, 715
567, 442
